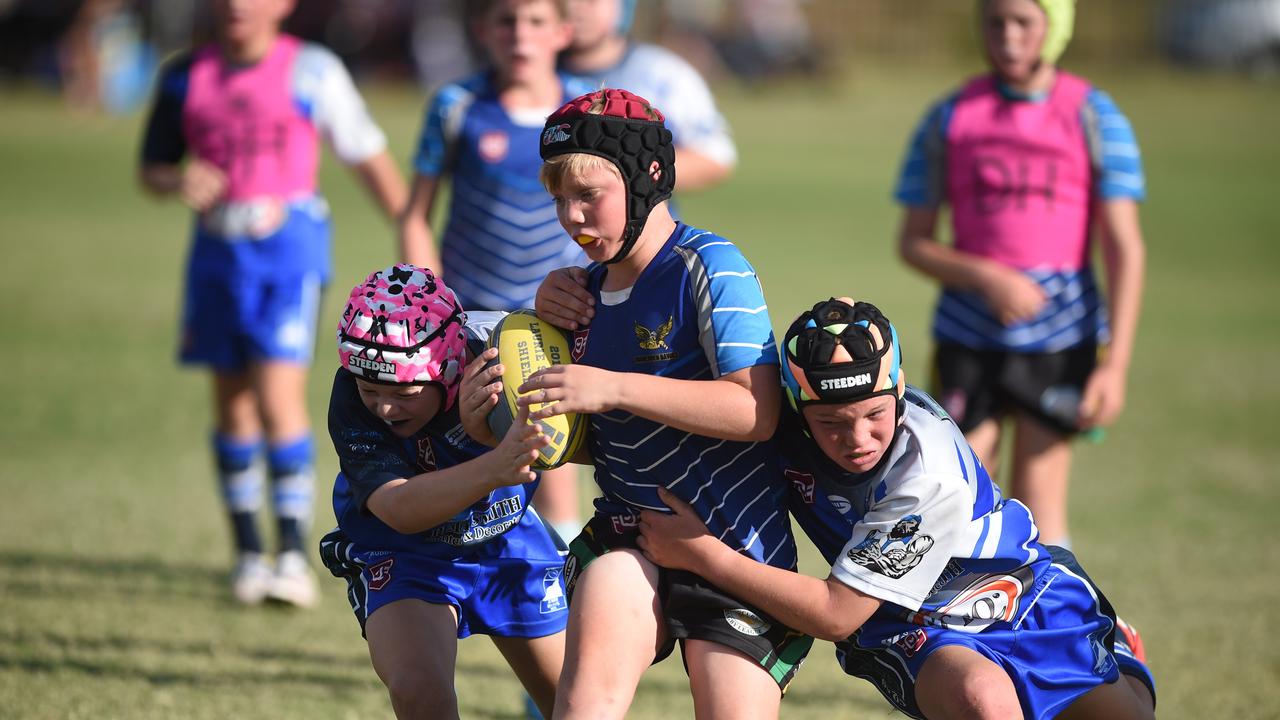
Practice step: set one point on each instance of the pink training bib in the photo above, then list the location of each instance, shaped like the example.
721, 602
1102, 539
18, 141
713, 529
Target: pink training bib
1019, 176
244, 120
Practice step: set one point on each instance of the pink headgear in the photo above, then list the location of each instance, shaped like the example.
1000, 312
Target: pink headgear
402, 326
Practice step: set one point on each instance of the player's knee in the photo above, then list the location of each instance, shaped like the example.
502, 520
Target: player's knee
982, 700
981, 695
415, 695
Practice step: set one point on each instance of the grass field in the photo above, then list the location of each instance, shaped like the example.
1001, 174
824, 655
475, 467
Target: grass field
113, 551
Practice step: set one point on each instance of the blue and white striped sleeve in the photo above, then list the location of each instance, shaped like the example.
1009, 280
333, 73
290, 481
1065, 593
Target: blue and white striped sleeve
325, 92
739, 318
440, 129
1113, 149
921, 181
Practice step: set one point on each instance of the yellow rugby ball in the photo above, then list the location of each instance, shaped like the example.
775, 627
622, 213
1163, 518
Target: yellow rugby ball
526, 345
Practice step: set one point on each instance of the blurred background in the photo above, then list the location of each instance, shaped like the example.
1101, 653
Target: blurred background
112, 544
102, 52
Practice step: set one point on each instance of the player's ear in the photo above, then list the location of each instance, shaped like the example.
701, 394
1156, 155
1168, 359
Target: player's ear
655, 171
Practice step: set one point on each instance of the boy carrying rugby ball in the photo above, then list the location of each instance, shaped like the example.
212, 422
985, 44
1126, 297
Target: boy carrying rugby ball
675, 362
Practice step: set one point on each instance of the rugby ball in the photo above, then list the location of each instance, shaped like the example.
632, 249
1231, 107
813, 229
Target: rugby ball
526, 345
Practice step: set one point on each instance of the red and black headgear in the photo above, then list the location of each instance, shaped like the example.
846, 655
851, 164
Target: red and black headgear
616, 125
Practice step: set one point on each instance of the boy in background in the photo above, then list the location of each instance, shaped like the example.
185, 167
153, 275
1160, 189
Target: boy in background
481, 133
602, 55
1034, 163
247, 114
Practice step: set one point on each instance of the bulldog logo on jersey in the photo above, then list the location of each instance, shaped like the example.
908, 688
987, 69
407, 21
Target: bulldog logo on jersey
895, 553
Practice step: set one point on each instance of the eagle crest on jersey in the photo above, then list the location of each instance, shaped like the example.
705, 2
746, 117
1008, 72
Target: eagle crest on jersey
655, 339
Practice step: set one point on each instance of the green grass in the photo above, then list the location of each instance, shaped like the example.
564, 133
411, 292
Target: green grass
113, 551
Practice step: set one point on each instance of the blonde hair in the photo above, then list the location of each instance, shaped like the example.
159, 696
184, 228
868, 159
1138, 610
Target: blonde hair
556, 171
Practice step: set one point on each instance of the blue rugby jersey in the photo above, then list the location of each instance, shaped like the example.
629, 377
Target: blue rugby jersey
502, 236
369, 456
696, 312
928, 532
1076, 311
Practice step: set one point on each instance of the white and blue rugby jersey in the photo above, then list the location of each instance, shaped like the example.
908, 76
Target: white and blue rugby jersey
697, 312
1076, 310
676, 89
928, 532
502, 236
369, 456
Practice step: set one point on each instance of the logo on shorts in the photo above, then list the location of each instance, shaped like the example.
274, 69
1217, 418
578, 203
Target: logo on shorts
492, 146
1102, 658
553, 599
894, 553
746, 622
426, 455
909, 642
555, 134
579, 344
624, 524
380, 574
802, 483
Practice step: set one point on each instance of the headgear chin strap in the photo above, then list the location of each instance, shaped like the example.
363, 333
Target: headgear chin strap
615, 125
842, 351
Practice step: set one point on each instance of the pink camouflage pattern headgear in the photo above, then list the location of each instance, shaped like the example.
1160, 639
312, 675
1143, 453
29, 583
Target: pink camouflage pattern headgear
402, 326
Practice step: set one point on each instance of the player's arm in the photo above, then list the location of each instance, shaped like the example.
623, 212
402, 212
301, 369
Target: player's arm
161, 169
705, 151
382, 179
697, 171
1124, 256
1120, 184
826, 609
417, 242
1011, 295
413, 505
198, 184
478, 395
742, 405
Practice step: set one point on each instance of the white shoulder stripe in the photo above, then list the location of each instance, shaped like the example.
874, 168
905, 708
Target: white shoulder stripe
749, 311
729, 273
